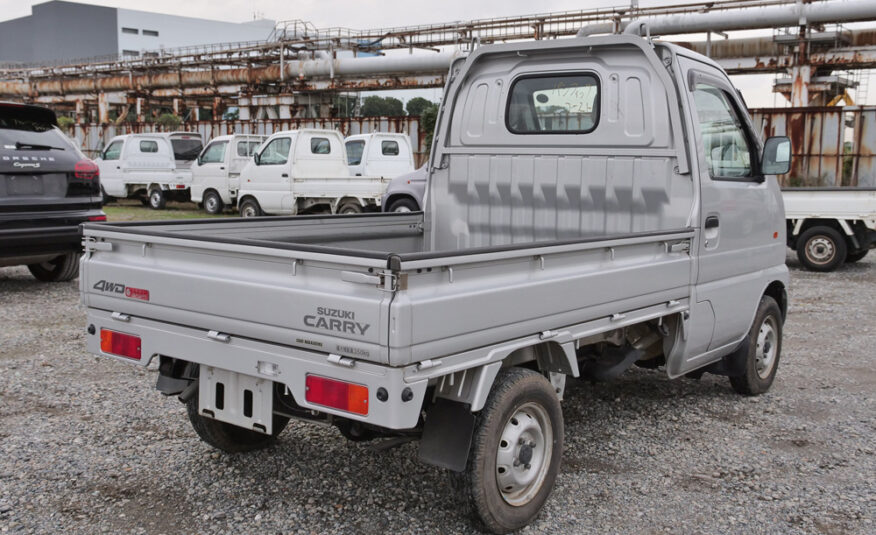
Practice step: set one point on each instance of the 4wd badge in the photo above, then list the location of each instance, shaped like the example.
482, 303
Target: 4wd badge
119, 288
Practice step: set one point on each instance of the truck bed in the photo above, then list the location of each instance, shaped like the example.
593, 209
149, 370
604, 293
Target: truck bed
369, 286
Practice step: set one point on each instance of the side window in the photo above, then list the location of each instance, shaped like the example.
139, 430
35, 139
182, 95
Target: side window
354, 151
559, 104
727, 150
215, 153
320, 145
148, 145
114, 151
276, 152
389, 148
245, 149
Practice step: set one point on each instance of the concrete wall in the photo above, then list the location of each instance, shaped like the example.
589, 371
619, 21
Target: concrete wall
176, 31
16, 44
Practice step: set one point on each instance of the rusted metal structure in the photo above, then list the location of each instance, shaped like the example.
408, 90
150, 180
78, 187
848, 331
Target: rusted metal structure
832, 146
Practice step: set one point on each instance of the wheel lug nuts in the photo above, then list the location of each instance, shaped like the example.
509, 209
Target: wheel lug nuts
528, 466
522, 441
532, 444
516, 462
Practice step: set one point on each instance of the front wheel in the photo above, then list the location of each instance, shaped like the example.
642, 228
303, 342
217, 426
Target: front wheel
231, 438
60, 269
821, 248
213, 204
157, 199
761, 350
250, 208
403, 205
515, 453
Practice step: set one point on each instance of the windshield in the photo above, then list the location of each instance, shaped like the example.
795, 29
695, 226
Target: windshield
354, 152
186, 148
22, 129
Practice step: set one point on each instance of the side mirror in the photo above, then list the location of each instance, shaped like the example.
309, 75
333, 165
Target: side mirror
776, 158
257, 158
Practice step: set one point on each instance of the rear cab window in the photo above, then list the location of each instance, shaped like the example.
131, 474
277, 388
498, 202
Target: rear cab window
186, 147
245, 149
389, 148
148, 145
355, 149
553, 104
320, 145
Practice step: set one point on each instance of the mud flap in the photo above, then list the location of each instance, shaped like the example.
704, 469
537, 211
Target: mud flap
447, 435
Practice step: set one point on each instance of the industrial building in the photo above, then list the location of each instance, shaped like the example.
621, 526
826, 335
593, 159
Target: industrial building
57, 32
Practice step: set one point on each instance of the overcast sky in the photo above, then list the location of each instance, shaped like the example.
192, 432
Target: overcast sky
361, 14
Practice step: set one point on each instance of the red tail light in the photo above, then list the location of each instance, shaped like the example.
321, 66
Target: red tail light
123, 345
336, 394
97, 218
86, 170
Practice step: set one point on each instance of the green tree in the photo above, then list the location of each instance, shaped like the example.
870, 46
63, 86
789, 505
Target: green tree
427, 123
169, 121
375, 106
66, 123
417, 105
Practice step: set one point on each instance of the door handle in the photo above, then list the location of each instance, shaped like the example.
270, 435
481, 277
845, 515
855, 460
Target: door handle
712, 221
221, 168
118, 167
285, 175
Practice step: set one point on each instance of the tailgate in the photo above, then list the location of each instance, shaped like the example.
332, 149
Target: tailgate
321, 302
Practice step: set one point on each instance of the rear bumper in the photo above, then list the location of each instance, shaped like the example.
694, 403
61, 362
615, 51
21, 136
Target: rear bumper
41, 234
292, 365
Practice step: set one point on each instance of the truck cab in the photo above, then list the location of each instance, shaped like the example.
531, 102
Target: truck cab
216, 172
305, 171
379, 154
153, 167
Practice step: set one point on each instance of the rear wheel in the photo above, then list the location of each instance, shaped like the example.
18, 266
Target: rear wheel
157, 199
213, 204
821, 248
231, 438
250, 208
515, 453
350, 207
403, 205
854, 257
760, 350
60, 269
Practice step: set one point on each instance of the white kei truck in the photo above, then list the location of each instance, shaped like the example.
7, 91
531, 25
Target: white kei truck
216, 172
305, 171
593, 204
154, 167
830, 226
382, 154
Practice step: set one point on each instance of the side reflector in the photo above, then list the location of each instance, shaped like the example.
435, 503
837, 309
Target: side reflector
336, 394
123, 345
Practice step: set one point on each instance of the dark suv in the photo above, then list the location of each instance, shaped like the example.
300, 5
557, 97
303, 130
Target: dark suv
47, 188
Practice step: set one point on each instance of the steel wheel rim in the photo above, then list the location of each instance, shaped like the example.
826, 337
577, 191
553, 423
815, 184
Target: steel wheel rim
526, 440
248, 211
767, 348
211, 203
402, 209
820, 250
155, 198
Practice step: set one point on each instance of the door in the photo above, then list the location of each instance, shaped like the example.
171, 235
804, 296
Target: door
739, 230
269, 181
210, 171
242, 153
110, 166
355, 154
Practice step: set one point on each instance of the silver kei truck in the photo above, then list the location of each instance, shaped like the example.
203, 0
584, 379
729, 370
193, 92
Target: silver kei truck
593, 204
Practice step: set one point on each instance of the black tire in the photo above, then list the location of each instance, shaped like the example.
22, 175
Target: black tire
250, 208
354, 432
761, 350
403, 205
821, 248
517, 394
157, 199
59, 269
106, 198
231, 438
851, 258
213, 204
350, 207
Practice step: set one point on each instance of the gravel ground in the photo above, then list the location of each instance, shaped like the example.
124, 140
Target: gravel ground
88, 446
